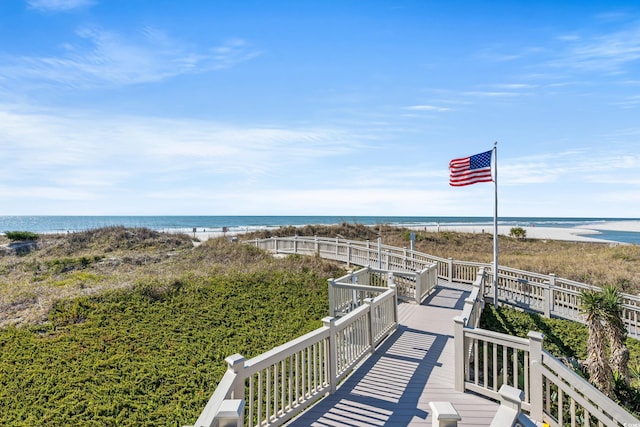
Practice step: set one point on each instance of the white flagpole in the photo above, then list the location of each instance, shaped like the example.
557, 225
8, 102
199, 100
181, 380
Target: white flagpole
495, 225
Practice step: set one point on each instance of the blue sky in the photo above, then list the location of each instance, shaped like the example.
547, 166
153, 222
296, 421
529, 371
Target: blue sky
157, 107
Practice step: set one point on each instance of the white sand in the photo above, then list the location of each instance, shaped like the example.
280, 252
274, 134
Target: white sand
617, 226
551, 233
573, 234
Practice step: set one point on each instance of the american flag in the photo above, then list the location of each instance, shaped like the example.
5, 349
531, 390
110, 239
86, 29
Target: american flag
470, 170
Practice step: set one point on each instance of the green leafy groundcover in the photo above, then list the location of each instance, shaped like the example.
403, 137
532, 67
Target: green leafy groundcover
566, 339
146, 356
562, 338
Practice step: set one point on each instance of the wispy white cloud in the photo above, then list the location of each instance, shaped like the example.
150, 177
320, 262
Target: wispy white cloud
501, 53
609, 53
568, 37
628, 102
587, 165
103, 58
58, 5
491, 94
514, 86
317, 201
433, 108
80, 151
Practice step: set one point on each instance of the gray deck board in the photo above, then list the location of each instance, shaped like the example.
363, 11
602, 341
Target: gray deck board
414, 366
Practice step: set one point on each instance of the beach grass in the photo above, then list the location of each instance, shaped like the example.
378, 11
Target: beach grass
596, 264
131, 327
149, 352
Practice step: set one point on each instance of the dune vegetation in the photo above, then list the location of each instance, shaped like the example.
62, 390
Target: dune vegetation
122, 327
131, 327
597, 264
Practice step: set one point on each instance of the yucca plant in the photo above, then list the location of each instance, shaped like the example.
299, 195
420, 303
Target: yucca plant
600, 374
617, 332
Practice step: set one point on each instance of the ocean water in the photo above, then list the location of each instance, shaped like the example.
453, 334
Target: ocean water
60, 224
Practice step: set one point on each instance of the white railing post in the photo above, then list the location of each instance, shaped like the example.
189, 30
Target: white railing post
380, 253
317, 245
231, 413
295, 244
330, 322
418, 276
477, 284
546, 300
443, 414
479, 277
551, 300
348, 254
332, 297
275, 245
511, 397
535, 381
354, 292
468, 309
371, 325
450, 267
395, 303
235, 363
459, 356
510, 406
404, 259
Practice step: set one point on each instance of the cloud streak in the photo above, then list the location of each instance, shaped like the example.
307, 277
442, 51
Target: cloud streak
609, 53
98, 58
58, 5
575, 165
77, 150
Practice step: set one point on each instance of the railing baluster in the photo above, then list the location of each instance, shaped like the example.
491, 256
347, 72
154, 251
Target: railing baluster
525, 361
268, 395
311, 365
560, 407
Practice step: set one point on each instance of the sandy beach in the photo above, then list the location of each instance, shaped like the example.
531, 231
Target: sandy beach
573, 234
551, 233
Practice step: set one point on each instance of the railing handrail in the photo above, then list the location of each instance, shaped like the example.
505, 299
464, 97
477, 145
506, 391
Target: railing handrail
582, 385
238, 370
276, 354
550, 283
541, 366
221, 393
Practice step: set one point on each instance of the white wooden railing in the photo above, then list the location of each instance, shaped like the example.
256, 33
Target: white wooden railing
411, 286
552, 392
546, 294
277, 385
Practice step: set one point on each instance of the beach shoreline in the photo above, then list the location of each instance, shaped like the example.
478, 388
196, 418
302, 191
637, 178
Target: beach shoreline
571, 234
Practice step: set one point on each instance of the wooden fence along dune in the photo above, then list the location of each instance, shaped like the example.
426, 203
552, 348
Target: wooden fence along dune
271, 389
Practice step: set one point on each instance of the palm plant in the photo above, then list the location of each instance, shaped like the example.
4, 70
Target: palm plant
600, 374
617, 332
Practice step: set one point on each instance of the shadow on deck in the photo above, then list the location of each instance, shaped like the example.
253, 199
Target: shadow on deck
394, 386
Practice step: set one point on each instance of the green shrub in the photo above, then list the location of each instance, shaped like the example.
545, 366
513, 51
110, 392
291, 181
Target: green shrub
567, 340
21, 235
63, 265
518, 233
151, 354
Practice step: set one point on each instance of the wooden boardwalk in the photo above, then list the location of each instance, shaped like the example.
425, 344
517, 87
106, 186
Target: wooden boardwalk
413, 367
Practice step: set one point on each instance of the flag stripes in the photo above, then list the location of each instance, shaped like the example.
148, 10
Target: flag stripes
470, 170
